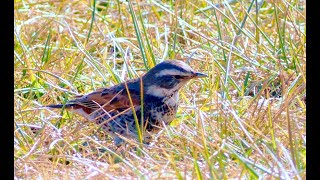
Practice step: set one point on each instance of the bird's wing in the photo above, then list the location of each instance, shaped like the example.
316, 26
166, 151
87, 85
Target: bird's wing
108, 98
121, 99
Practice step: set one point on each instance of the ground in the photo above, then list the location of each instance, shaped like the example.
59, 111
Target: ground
246, 120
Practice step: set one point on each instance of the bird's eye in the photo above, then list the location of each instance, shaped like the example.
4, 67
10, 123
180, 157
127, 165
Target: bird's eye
178, 77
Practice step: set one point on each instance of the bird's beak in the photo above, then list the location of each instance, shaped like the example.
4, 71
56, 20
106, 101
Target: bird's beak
199, 75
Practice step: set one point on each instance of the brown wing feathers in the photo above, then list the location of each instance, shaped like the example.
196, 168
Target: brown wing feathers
109, 99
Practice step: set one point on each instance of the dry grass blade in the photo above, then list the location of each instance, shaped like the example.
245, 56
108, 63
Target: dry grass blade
245, 121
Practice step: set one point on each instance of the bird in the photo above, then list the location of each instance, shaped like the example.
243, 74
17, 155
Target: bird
148, 102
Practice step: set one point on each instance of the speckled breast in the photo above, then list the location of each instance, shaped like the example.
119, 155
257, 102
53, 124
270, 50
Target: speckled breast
161, 112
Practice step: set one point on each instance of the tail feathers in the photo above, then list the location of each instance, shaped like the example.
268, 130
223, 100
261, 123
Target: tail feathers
59, 106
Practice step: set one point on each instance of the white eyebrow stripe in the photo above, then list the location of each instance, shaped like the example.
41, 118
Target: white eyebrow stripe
171, 72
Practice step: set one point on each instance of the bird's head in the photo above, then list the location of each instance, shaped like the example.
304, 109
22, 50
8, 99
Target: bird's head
168, 77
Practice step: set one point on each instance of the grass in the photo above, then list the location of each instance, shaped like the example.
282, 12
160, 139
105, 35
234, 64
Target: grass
246, 120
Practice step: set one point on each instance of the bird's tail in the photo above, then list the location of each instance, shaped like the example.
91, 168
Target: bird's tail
59, 106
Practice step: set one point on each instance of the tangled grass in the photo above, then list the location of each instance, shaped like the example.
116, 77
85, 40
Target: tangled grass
246, 120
